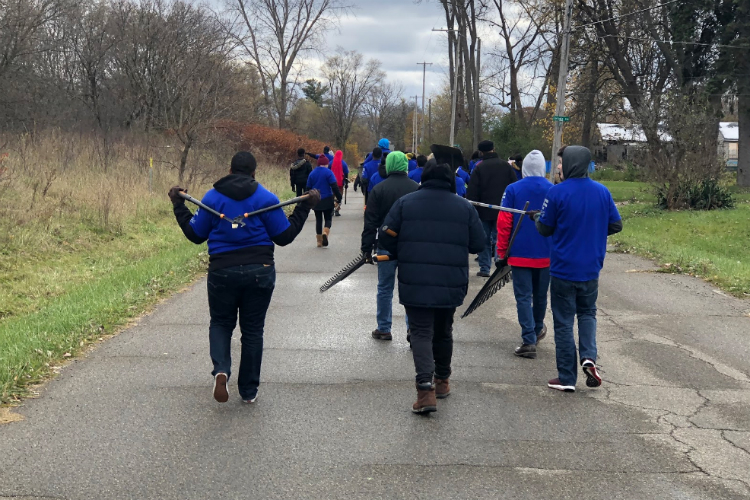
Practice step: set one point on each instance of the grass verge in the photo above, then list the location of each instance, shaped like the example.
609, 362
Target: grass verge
708, 244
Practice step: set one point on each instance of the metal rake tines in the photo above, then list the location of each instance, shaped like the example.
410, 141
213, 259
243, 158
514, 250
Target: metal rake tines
499, 279
346, 271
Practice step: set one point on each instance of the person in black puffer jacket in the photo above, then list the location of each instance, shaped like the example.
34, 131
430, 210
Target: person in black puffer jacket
487, 185
431, 232
379, 203
299, 172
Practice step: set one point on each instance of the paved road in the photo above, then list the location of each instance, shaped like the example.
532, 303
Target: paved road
135, 419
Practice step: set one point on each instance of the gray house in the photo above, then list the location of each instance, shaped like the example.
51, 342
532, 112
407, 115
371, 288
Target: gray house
729, 135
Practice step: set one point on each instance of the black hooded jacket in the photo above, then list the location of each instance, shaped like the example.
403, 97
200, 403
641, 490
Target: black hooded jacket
436, 231
299, 172
379, 203
241, 187
488, 182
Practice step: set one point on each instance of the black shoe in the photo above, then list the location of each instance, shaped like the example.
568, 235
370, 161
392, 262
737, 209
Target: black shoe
526, 351
408, 337
337, 214
476, 259
541, 334
483, 274
378, 335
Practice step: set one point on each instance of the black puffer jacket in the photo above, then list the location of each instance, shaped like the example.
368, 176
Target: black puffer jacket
436, 232
488, 182
379, 203
299, 172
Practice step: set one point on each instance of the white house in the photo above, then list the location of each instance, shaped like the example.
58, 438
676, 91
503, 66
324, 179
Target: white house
729, 135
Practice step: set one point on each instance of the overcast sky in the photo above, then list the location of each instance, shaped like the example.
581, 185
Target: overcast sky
399, 34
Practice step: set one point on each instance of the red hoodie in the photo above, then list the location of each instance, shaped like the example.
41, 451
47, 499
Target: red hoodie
337, 168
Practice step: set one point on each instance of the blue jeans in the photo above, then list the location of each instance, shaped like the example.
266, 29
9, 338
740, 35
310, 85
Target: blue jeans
487, 256
386, 282
530, 287
570, 299
245, 289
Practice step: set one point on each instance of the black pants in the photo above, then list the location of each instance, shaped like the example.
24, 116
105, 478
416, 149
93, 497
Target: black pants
365, 184
300, 190
246, 290
319, 216
431, 341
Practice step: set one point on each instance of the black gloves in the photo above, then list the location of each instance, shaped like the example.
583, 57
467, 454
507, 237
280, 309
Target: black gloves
501, 263
174, 195
312, 200
368, 257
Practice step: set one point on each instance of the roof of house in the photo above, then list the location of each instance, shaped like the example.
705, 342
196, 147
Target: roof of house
730, 131
618, 133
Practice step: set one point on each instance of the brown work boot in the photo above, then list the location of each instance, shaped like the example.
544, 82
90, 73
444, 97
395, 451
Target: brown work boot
426, 401
320, 240
442, 388
378, 335
326, 232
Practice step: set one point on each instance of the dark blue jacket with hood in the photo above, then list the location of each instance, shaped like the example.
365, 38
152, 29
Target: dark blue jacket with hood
436, 232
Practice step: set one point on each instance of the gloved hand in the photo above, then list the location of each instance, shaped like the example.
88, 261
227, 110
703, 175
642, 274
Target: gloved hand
535, 214
368, 258
312, 200
174, 195
501, 263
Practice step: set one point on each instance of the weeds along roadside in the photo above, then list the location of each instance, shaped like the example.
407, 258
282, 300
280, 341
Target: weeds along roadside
88, 240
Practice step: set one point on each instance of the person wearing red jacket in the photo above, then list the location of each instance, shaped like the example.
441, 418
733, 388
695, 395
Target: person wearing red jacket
530, 254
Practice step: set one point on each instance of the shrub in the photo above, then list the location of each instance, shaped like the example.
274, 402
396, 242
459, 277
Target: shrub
708, 194
270, 144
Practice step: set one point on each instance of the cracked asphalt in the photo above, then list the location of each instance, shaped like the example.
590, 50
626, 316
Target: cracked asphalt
135, 418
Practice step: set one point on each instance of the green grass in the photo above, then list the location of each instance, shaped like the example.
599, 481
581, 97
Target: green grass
710, 244
630, 191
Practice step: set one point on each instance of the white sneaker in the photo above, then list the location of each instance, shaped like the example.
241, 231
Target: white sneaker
251, 401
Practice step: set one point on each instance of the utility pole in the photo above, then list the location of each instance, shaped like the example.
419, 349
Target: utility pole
453, 103
429, 130
415, 124
424, 80
562, 81
477, 106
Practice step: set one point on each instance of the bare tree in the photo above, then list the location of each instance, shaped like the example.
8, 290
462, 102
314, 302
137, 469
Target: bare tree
350, 81
274, 34
381, 108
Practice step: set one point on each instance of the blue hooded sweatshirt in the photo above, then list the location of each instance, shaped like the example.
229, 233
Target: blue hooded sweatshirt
416, 175
463, 175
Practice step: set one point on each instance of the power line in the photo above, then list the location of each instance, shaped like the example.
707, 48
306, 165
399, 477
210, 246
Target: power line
677, 42
627, 15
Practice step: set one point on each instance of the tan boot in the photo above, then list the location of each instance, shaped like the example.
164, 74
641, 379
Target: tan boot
426, 401
442, 388
320, 240
326, 232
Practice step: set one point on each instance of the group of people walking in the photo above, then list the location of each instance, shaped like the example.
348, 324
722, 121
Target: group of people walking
415, 214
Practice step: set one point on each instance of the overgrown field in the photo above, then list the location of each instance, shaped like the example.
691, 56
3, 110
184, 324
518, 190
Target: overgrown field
83, 248
707, 244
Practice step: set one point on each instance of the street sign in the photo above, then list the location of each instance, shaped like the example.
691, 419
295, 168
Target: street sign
560, 118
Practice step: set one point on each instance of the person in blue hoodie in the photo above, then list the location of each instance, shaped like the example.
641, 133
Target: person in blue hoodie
476, 157
412, 161
241, 272
416, 174
378, 176
384, 146
370, 168
578, 215
530, 252
326, 152
464, 175
460, 186
323, 180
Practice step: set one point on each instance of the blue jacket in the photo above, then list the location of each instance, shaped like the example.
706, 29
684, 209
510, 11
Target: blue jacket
436, 231
463, 175
530, 249
578, 214
416, 175
374, 181
344, 167
234, 195
412, 165
369, 155
370, 168
460, 187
